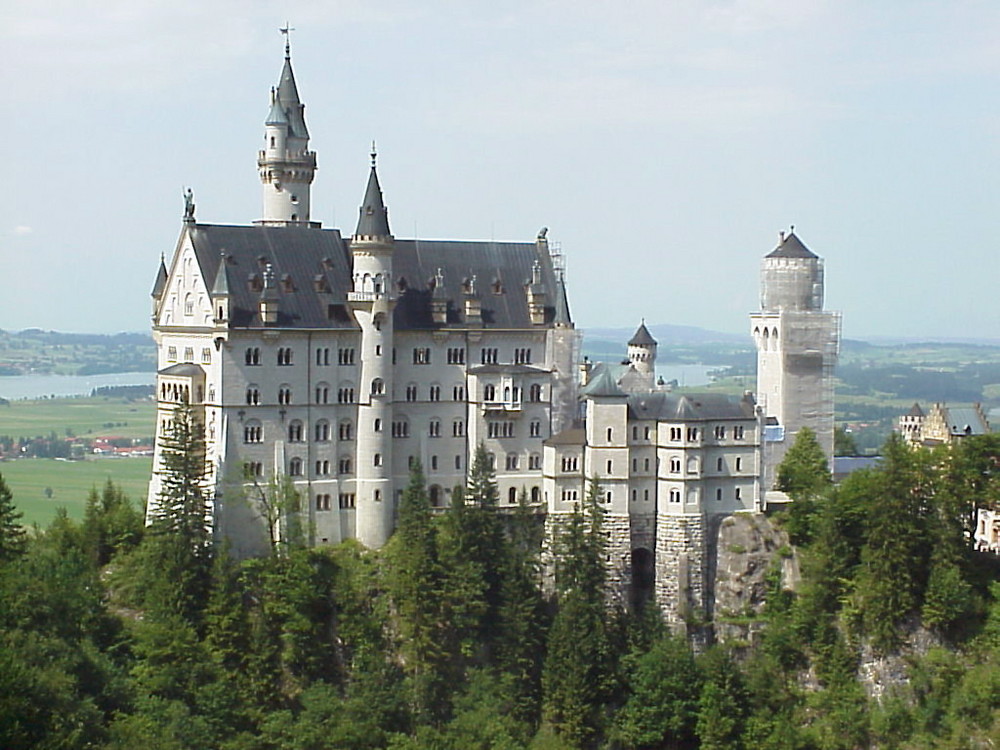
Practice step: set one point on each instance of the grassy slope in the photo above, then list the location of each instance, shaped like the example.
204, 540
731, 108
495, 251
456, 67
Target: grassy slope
70, 481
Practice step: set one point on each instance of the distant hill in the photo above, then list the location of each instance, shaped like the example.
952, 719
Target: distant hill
667, 334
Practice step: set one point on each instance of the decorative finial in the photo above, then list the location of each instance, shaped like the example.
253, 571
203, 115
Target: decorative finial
189, 205
286, 30
374, 154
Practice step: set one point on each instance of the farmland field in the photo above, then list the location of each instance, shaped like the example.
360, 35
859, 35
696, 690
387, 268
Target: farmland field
70, 482
83, 416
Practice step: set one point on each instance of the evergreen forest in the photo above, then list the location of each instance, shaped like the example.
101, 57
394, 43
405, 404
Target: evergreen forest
466, 631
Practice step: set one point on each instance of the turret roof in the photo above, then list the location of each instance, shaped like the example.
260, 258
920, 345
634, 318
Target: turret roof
374, 217
791, 247
161, 279
288, 97
642, 337
221, 286
915, 410
277, 114
602, 384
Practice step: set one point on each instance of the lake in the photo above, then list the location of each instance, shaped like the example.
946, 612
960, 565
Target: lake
36, 386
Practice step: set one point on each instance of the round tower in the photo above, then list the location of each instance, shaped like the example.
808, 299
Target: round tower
791, 277
286, 164
372, 301
642, 351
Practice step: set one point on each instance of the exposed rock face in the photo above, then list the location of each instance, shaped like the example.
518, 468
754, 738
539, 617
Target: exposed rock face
882, 674
746, 547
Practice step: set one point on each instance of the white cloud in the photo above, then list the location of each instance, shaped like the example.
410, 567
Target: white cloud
22, 229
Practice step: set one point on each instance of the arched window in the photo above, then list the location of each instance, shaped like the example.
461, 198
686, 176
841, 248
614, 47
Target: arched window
253, 432
295, 467
535, 392
284, 395
536, 494
322, 431
511, 462
378, 387
512, 495
295, 431
253, 395
344, 465
253, 355
345, 430
489, 392
434, 494
322, 392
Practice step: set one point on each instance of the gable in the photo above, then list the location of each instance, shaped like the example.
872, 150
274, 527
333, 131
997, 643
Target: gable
186, 299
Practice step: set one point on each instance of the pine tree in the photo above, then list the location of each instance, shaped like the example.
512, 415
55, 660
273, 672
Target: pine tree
183, 507
804, 472
12, 536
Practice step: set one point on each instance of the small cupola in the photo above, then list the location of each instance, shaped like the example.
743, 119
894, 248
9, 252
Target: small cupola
472, 302
269, 298
538, 298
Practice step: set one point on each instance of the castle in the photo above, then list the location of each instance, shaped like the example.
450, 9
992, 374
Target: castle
337, 362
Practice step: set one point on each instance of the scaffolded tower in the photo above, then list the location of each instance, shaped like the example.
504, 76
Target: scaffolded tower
797, 348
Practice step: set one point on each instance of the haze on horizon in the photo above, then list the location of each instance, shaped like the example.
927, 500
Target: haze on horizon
664, 146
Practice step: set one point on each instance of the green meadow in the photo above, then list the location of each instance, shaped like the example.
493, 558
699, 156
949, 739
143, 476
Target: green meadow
41, 485
70, 482
82, 416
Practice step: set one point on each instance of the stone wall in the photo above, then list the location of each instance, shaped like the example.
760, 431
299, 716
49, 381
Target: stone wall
680, 567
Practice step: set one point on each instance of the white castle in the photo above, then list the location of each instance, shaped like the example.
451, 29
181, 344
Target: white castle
336, 362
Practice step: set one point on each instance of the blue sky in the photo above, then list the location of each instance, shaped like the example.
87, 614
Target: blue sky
664, 144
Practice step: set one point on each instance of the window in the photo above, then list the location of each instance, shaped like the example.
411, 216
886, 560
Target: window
295, 467
511, 462
400, 428
435, 393
284, 395
253, 395
377, 425
720, 432
675, 433
512, 495
295, 431
322, 468
635, 433
377, 459
284, 356
458, 428
647, 434
738, 494
379, 320
645, 464
570, 463
322, 393
635, 465
411, 392
172, 354
378, 387
610, 431
535, 393
645, 495
434, 463
488, 356
377, 496
609, 467
253, 355
206, 355
347, 500
456, 356
489, 392
607, 497
322, 356
345, 356
522, 356
692, 433
253, 432
322, 431
345, 395
739, 463
345, 430
421, 356
323, 501
719, 463
535, 428
500, 429
188, 305
738, 432
491, 460
569, 496
253, 469
675, 496
675, 465
458, 393
718, 494
534, 461
458, 463
344, 465
434, 428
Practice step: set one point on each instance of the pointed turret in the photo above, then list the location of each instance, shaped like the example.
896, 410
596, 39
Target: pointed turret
642, 352
287, 166
220, 291
159, 286
373, 220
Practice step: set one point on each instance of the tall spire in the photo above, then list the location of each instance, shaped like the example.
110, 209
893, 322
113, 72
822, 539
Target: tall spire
374, 217
286, 164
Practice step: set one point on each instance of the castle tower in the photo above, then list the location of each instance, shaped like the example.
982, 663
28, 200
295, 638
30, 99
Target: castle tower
642, 352
372, 301
286, 164
797, 348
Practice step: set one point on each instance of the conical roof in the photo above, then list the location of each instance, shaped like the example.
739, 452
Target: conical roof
603, 384
277, 114
915, 410
161, 279
791, 247
642, 337
288, 97
374, 217
562, 316
221, 286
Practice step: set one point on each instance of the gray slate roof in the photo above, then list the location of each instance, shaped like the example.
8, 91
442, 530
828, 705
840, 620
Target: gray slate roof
791, 247
161, 280
288, 95
313, 271
689, 407
915, 410
602, 384
642, 337
373, 219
